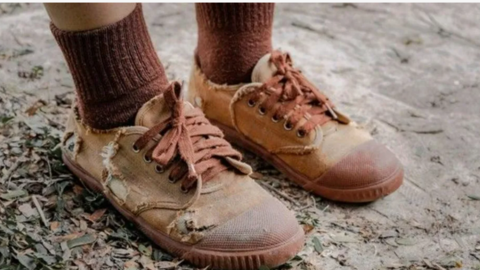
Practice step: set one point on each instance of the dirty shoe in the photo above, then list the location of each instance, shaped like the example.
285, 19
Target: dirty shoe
285, 119
182, 184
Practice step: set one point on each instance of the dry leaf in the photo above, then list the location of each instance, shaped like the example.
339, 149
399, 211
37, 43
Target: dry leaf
77, 189
317, 245
344, 239
83, 225
97, 215
130, 265
405, 241
80, 241
167, 265
256, 175
307, 228
27, 210
54, 225
37, 105
474, 197
69, 236
13, 194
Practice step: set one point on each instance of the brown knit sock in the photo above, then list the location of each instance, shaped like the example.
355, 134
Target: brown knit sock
232, 38
115, 69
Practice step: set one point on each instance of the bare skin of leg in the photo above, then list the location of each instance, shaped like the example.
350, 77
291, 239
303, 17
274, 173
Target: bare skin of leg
81, 17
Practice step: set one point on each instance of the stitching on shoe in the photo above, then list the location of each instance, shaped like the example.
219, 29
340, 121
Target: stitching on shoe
77, 147
297, 150
215, 86
242, 92
149, 105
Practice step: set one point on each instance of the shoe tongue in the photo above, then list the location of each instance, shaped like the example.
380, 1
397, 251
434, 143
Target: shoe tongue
264, 69
156, 111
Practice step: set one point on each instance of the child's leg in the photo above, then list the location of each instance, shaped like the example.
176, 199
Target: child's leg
111, 57
232, 38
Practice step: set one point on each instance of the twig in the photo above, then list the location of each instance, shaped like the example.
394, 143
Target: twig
475, 256
437, 266
398, 129
312, 203
15, 38
40, 211
403, 59
281, 194
443, 32
310, 28
49, 168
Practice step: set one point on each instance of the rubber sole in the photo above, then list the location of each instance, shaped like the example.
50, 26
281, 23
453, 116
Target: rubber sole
359, 195
245, 260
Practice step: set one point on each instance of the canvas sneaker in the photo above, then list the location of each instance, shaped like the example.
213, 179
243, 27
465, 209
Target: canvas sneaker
283, 118
182, 184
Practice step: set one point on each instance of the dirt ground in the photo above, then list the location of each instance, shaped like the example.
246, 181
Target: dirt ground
408, 72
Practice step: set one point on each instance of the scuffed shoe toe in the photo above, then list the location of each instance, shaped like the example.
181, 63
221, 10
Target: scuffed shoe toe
369, 172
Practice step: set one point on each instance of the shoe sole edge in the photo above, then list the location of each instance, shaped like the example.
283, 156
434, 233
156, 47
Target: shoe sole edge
353, 195
271, 257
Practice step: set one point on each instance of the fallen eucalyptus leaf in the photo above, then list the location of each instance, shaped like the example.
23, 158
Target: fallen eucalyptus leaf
98, 214
317, 245
388, 234
391, 242
147, 251
344, 239
168, 265
26, 261
14, 194
405, 241
474, 197
130, 265
84, 240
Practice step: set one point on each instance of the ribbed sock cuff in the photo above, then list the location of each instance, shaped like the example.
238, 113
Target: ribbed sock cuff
234, 17
232, 38
115, 70
111, 61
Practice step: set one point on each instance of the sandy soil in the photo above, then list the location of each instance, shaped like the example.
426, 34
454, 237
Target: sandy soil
408, 72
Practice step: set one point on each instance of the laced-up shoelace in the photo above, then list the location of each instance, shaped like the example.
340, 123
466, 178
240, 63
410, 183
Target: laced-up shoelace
199, 144
293, 97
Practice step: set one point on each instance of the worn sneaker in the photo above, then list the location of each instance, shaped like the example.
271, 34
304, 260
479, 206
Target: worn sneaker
182, 184
286, 120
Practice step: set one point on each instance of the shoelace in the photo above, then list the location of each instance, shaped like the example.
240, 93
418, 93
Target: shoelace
199, 145
293, 97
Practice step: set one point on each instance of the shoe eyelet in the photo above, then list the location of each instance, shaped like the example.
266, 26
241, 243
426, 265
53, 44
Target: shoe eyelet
71, 147
287, 126
159, 169
301, 133
251, 103
184, 190
147, 159
135, 148
275, 119
262, 110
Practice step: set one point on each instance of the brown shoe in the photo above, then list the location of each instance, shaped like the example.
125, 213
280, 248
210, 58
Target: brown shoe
283, 118
181, 183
